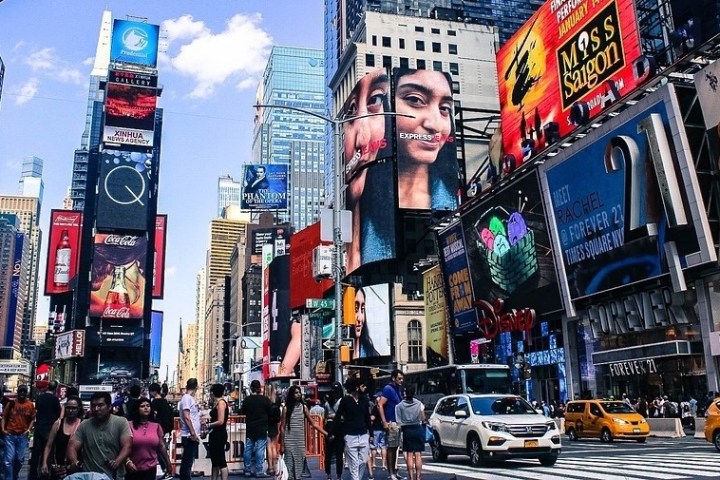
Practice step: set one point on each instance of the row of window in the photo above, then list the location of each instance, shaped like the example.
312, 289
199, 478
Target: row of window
419, 64
419, 45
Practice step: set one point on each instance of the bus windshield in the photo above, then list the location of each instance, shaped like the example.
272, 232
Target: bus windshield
486, 380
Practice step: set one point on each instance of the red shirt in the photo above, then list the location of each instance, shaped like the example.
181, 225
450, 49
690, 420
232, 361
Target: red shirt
144, 445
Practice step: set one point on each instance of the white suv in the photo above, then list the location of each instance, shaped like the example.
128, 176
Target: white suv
492, 427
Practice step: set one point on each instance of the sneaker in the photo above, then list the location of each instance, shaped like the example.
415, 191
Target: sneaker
167, 476
248, 474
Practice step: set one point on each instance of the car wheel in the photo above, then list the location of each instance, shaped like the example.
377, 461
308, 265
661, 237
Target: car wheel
549, 460
475, 452
606, 436
438, 452
716, 440
641, 440
572, 434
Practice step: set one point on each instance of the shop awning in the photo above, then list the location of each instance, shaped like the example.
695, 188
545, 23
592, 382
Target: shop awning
672, 348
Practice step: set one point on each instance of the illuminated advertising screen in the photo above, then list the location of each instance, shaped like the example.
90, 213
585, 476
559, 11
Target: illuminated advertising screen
70, 344
436, 318
508, 246
115, 334
456, 272
302, 283
371, 334
134, 42
63, 251
118, 276
265, 187
285, 329
267, 256
156, 329
158, 285
636, 200
126, 179
129, 114
15, 278
428, 171
564, 66
137, 79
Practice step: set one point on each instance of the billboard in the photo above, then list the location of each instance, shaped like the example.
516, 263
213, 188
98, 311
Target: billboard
63, 251
134, 42
158, 279
509, 247
70, 344
706, 84
265, 187
124, 190
137, 79
436, 318
156, 329
118, 276
285, 329
302, 283
14, 294
636, 211
456, 272
427, 165
129, 114
561, 68
371, 334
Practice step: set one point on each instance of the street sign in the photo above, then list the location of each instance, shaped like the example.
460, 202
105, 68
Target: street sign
329, 344
348, 343
321, 303
15, 368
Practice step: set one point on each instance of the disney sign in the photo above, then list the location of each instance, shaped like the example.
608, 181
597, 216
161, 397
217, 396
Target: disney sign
493, 321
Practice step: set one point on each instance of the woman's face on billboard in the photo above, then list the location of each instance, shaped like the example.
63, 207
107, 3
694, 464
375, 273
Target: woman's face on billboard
359, 313
426, 95
364, 137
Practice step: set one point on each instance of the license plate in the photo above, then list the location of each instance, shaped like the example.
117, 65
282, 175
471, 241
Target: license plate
531, 443
636, 430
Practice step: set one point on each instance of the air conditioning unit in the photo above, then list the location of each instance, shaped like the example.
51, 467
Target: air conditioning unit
322, 261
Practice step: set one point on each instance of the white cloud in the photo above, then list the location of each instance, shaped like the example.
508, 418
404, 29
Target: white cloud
170, 271
46, 61
89, 62
237, 54
249, 82
26, 92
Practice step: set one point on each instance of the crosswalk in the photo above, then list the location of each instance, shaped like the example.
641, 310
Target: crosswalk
641, 466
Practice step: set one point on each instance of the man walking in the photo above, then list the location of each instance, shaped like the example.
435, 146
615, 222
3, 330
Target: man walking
47, 406
17, 419
162, 414
390, 396
256, 408
189, 428
105, 440
354, 411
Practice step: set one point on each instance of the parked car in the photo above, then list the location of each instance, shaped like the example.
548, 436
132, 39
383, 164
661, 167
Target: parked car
490, 427
712, 423
604, 419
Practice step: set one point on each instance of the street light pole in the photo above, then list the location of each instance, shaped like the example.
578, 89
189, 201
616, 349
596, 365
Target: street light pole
337, 229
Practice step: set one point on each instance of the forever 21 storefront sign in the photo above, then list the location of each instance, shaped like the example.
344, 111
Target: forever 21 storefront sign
632, 367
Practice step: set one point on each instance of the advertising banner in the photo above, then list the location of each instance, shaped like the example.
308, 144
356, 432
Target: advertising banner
129, 114
70, 345
156, 329
17, 274
136, 79
118, 276
436, 318
126, 179
158, 278
302, 283
570, 61
134, 42
428, 171
267, 256
618, 222
513, 271
454, 263
706, 84
63, 251
113, 335
265, 187
371, 334
285, 329
59, 316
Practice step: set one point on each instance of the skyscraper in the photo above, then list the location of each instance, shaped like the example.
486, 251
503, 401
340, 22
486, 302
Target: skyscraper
31, 182
228, 193
14, 267
294, 77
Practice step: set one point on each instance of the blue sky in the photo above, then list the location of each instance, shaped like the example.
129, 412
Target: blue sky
215, 53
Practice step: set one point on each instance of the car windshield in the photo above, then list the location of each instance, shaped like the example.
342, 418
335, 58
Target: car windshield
616, 407
501, 406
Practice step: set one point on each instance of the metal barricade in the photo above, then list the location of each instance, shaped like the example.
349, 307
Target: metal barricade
314, 442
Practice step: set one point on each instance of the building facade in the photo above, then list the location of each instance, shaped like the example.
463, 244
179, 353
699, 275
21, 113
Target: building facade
228, 191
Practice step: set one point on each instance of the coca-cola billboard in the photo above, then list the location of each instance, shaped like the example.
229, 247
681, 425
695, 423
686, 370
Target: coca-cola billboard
63, 251
158, 278
118, 276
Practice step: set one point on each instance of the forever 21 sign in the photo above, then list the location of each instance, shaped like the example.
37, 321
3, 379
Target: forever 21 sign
632, 367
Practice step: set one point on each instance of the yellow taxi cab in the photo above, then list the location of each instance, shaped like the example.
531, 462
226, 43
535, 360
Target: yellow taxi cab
604, 419
712, 423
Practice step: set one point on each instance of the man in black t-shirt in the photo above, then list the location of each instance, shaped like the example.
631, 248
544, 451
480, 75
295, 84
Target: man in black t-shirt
48, 410
162, 413
256, 408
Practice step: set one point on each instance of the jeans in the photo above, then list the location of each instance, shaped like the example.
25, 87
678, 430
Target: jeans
190, 451
256, 446
15, 450
357, 451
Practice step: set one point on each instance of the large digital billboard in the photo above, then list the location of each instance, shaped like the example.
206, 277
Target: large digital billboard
158, 279
129, 114
126, 179
436, 318
156, 329
635, 212
458, 284
118, 276
428, 171
63, 251
371, 333
265, 187
561, 68
509, 248
302, 283
134, 42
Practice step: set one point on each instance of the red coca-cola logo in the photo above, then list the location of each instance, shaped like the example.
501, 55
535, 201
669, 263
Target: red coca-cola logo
122, 312
493, 321
121, 240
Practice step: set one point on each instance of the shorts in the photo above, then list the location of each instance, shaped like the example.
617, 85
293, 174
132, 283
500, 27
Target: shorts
413, 438
393, 435
380, 439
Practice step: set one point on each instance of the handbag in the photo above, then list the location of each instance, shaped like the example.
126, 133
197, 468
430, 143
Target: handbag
429, 437
281, 472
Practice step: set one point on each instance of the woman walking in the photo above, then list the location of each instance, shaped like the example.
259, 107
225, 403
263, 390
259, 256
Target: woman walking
273, 429
54, 462
292, 432
410, 415
218, 433
147, 443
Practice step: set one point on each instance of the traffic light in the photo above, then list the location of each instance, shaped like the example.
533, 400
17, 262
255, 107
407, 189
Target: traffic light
349, 306
344, 354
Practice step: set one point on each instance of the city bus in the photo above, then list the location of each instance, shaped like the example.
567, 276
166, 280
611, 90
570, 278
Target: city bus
434, 383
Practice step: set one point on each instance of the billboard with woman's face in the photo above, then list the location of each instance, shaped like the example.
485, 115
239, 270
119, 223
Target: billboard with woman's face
371, 335
426, 154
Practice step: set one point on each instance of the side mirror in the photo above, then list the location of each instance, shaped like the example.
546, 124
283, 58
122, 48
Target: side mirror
461, 414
